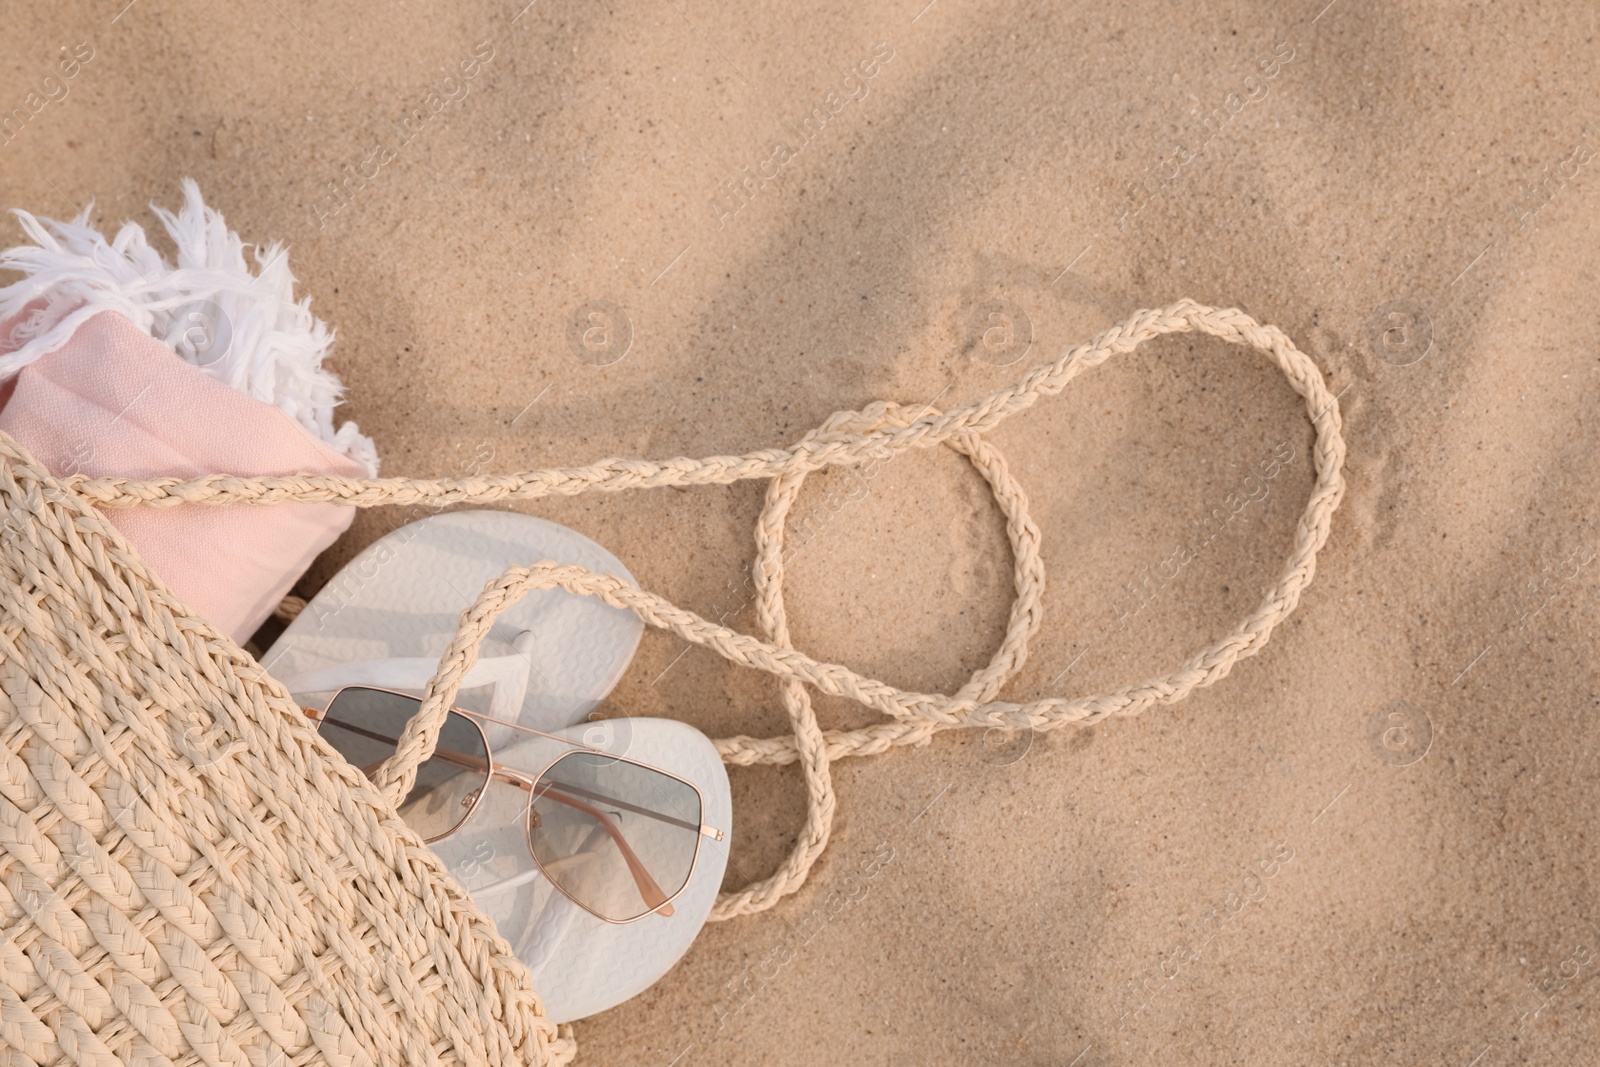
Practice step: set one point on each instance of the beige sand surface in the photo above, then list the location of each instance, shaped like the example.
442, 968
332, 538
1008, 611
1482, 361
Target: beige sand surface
1423, 894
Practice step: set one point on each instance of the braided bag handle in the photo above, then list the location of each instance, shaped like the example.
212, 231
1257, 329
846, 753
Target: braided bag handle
877, 432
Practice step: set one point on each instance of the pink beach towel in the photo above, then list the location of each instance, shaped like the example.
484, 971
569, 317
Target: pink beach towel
89, 391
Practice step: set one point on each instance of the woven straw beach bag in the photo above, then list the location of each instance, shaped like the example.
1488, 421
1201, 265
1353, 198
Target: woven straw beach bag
188, 873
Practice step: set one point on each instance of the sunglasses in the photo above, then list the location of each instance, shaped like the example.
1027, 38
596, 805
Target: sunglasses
617, 837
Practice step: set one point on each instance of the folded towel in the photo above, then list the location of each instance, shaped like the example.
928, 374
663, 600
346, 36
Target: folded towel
115, 363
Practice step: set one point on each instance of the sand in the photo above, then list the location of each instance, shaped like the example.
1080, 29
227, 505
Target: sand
1371, 843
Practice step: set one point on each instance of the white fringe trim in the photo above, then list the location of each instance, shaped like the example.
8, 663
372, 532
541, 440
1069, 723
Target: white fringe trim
243, 329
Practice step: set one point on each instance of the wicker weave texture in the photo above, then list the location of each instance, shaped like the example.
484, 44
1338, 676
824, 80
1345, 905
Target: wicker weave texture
188, 873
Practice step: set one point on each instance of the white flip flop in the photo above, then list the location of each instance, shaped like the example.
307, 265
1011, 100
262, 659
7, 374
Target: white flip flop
386, 618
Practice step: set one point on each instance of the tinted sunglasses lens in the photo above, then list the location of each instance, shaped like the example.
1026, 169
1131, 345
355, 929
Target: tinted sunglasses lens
364, 725
618, 838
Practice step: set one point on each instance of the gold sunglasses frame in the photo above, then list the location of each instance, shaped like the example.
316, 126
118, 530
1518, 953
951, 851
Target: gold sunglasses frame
530, 784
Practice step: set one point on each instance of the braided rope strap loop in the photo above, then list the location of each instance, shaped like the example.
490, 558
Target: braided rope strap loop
879, 431
809, 742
